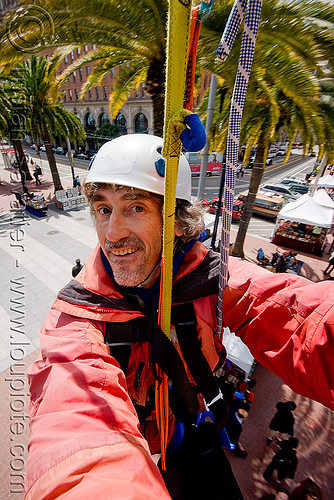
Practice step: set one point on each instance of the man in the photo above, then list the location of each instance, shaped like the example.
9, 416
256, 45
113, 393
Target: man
77, 268
237, 415
85, 416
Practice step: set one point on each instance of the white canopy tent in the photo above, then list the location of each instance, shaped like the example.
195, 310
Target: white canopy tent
325, 181
323, 198
306, 210
237, 352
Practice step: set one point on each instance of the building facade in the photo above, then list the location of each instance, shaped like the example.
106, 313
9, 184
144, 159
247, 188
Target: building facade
136, 115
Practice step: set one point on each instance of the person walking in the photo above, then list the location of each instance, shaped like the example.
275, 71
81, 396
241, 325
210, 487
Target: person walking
77, 183
330, 266
237, 415
36, 175
93, 425
283, 421
77, 268
285, 461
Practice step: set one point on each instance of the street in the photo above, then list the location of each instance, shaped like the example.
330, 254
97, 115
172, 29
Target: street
296, 166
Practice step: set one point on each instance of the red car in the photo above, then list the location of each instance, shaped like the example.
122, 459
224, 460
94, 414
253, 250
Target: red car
237, 209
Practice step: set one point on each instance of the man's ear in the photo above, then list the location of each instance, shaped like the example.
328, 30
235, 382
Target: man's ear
178, 231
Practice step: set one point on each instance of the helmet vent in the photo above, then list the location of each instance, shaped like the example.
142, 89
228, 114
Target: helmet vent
160, 167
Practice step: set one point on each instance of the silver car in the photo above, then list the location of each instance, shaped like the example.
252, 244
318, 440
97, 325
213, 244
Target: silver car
281, 189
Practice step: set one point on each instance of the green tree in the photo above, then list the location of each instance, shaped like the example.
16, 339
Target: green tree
5, 107
45, 116
283, 89
128, 35
107, 132
12, 124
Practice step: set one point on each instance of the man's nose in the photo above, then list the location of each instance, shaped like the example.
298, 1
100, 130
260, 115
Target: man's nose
117, 227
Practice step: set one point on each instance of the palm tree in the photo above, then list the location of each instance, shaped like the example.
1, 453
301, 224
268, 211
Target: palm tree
130, 35
45, 116
283, 89
12, 125
4, 111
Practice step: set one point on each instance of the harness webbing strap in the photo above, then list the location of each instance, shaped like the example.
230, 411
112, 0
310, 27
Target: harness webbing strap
119, 336
168, 359
184, 320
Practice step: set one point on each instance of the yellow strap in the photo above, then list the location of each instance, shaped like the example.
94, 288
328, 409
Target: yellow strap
179, 14
177, 51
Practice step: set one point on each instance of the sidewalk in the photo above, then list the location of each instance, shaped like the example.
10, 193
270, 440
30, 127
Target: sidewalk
11, 181
52, 243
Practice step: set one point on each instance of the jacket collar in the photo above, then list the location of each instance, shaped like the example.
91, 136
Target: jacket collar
94, 294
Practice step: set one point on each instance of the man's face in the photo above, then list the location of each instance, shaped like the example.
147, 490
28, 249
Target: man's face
129, 229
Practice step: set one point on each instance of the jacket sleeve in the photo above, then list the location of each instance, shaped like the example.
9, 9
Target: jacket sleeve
287, 322
84, 437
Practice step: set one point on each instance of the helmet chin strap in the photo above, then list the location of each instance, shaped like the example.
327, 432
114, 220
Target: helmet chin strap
151, 278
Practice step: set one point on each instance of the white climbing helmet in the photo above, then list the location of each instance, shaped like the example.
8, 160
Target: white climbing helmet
135, 160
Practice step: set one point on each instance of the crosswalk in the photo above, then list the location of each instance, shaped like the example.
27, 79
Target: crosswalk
259, 227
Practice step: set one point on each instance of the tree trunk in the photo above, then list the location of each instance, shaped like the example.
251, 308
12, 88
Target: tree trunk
23, 163
52, 161
155, 86
257, 173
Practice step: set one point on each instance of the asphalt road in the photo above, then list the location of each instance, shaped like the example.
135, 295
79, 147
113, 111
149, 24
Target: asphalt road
296, 166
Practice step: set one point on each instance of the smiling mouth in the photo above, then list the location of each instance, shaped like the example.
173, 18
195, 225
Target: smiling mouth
123, 251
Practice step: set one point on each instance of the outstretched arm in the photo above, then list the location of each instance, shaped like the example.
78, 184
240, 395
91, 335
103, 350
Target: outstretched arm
287, 322
84, 437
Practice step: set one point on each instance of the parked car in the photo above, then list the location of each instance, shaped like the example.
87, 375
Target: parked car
272, 152
83, 156
299, 188
237, 208
59, 151
281, 189
42, 148
298, 185
292, 180
269, 161
267, 204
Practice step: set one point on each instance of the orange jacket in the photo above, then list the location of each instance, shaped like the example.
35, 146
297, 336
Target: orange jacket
84, 439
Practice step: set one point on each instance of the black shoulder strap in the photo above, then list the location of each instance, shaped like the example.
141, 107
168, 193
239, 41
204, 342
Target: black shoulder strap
120, 336
185, 322
123, 335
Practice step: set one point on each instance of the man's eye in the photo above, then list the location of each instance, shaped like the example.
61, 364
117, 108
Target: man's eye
137, 209
104, 211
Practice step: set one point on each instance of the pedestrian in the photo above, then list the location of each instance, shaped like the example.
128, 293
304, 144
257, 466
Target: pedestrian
77, 268
237, 415
93, 424
285, 461
330, 266
36, 175
306, 490
77, 183
249, 394
283, 421
242, 171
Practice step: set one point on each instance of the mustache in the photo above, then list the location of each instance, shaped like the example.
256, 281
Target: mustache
132, 241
